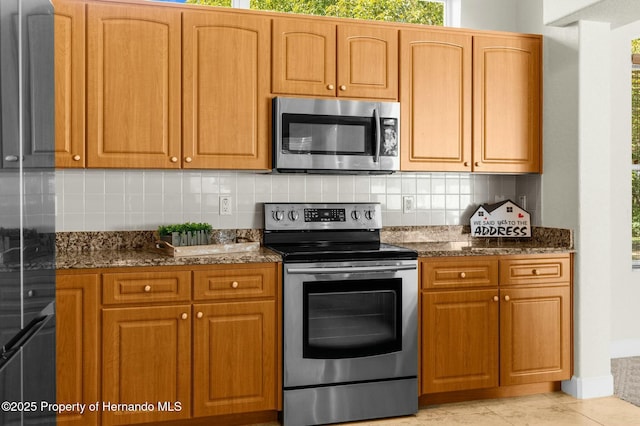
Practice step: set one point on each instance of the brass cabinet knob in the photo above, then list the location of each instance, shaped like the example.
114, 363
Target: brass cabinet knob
507, 298
343, 87
234, 284
535, 272
188, 160
174, 159
76, 157
330, 86
199, 315
496, 298
462, 275
147, 288
184, 316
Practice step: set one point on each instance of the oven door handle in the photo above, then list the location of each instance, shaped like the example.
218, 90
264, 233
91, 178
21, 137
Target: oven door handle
351, 269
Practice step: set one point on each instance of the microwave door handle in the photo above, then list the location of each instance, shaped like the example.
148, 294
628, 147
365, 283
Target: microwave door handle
376, 116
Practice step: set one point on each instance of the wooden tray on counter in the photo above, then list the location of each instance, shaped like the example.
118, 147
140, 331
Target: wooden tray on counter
205, 250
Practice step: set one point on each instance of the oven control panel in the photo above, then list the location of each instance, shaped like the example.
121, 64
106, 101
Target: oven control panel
322, 216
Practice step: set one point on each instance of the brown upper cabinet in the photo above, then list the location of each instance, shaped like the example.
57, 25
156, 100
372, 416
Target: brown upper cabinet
470, 102
69, 69
226, 66
507, 100
435, 95
165, 88
133, 86
168, 87
320, 58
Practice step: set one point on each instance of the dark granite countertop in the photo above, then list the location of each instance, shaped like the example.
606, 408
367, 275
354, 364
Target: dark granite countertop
88, 250
145, 257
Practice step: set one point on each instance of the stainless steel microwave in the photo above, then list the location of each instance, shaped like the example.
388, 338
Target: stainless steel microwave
335, 136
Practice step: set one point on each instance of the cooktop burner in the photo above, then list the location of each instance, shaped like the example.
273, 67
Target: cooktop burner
310, 232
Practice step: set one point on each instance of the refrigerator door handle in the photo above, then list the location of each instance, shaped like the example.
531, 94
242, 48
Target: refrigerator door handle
12, 347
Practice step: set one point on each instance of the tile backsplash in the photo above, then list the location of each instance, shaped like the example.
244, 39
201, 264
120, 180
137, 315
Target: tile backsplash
112, 200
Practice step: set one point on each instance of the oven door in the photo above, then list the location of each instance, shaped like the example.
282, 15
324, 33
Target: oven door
340, 135
349, 322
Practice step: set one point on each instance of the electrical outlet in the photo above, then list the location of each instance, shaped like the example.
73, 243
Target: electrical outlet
408, 204
225, 205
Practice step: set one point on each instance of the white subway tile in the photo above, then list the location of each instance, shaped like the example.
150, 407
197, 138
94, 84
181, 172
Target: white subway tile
113, 181
134, 182
362, 184
394, 202
409, 183
394, 185
210, 183
94, 183
153, 197
74, 182
153, 182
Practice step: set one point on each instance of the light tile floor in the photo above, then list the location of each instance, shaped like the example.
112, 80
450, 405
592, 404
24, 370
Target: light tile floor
546, 409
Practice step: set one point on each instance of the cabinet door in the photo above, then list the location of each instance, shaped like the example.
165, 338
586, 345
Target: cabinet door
507, 80
27, 85
77, 345
69, 83
146, 357
234, 358
226, 91
304, 57
435, 94
459, 340
535, 335
367, 62
133, 86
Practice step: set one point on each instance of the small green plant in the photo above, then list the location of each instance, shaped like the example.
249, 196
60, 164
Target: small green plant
183, 227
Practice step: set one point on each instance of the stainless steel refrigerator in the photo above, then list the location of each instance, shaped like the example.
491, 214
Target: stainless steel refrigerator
27, 213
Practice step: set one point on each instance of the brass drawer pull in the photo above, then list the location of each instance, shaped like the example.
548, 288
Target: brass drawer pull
234, 284
463, 275
147, 288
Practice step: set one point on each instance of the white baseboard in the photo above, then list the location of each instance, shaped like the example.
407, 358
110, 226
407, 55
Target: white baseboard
625, 348
589, 387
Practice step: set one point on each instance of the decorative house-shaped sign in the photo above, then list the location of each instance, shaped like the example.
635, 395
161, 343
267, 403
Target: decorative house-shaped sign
504, 219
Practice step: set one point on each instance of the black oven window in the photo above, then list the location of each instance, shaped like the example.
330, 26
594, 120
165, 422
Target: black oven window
323, 134
349, 319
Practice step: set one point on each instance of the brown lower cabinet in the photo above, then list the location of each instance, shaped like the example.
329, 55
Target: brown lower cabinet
494, 322
77, 345
182, 343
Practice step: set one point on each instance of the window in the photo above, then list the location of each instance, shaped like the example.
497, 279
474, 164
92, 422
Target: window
409, 11
635, 154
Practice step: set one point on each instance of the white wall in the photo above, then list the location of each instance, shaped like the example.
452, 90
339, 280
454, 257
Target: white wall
625, 282
555, 10
499, 15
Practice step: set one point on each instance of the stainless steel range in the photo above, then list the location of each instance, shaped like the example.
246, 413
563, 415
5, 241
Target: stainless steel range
350, 314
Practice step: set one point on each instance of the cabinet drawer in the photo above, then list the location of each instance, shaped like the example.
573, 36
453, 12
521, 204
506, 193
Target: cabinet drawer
535, 270
136, 287
459, 272
241, 282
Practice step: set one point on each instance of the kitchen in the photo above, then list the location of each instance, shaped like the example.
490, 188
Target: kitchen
91, 198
